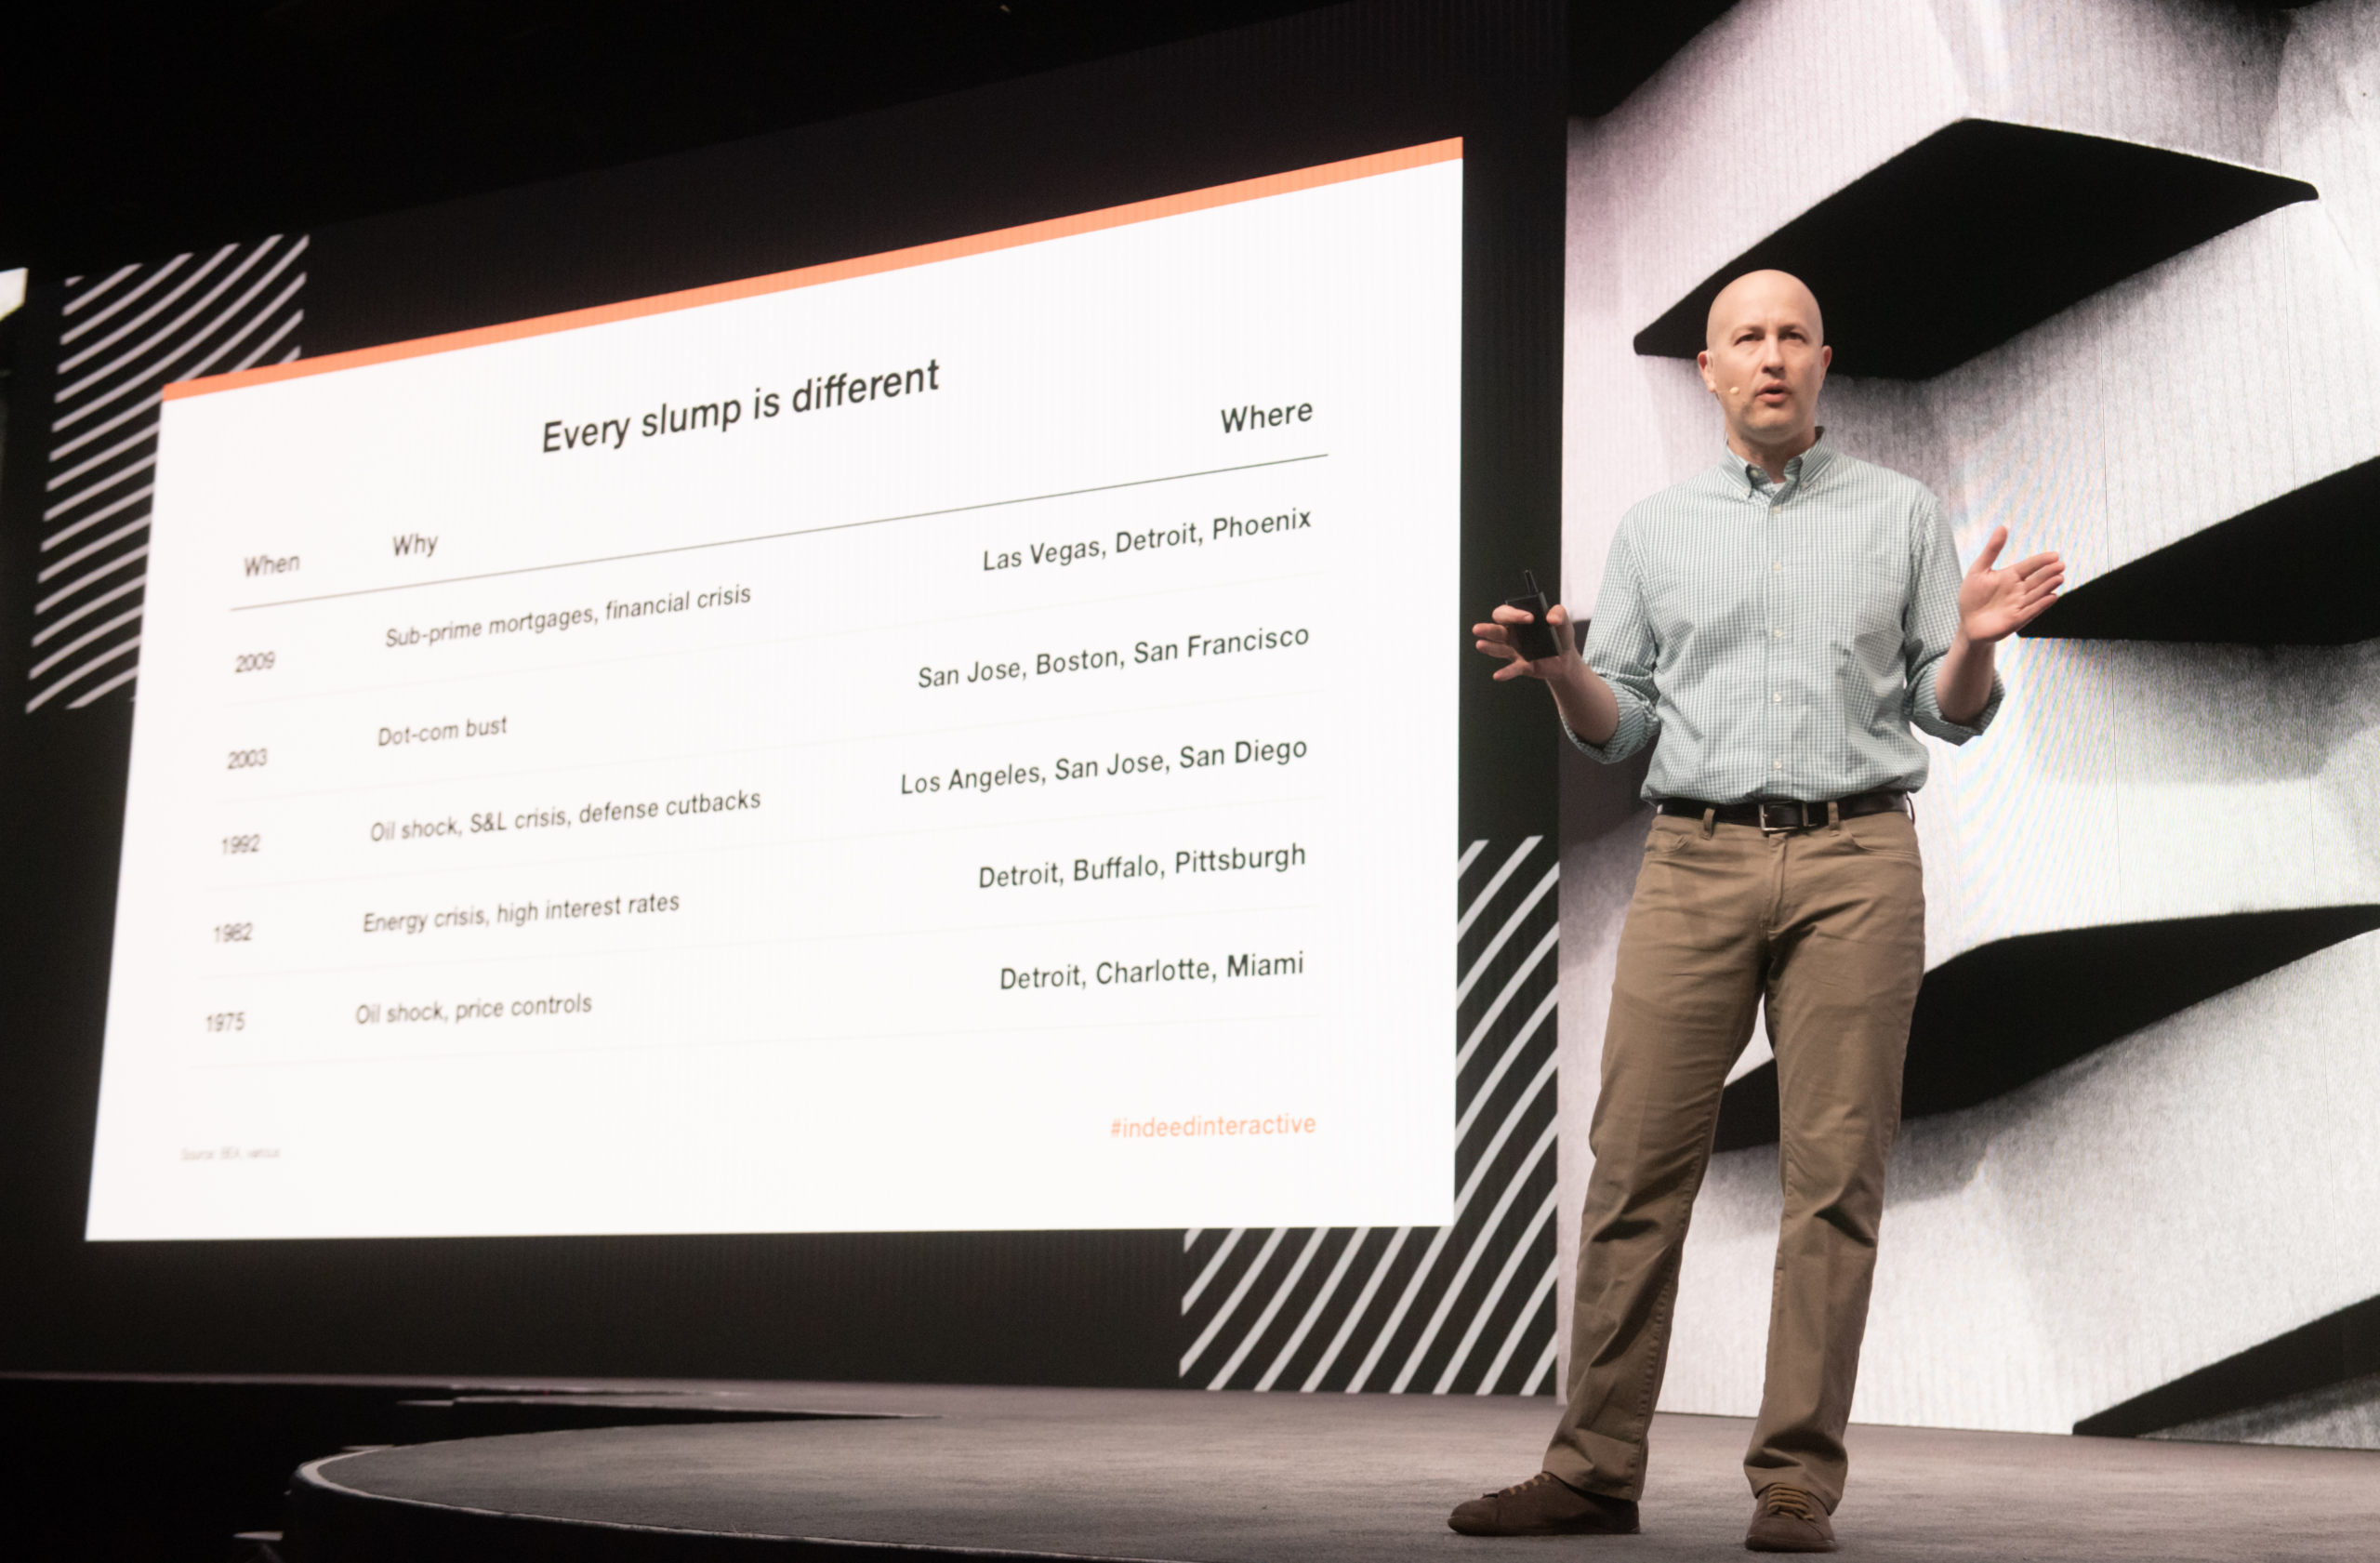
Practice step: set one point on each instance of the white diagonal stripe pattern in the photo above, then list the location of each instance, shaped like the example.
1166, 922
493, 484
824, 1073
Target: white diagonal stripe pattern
98, 544
1471, 1259
60, 480
60, 625
67, 680
164, 333
1265, 1319
137, 411
1486, 1087
1313, 1309
1503, 935
1544, 1217
1486, 1026
1503, 1132
1449, 1301
1540, 1296
92, 293
120, 562
158, 276
96, 690
1512, 866
178, 341
79, 642
73, 334
1231, 1240
1230, 1304
92, 491
138, 496
1356, 1314
1543, 1372
122, 337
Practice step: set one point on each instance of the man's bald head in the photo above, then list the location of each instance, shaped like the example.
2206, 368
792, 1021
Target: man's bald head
1764, 360
1763, 293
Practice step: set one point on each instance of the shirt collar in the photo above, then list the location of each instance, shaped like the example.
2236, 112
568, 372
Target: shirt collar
1748, 478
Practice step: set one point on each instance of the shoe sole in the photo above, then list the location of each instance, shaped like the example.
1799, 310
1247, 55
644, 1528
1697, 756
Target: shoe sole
1750, 1545
1546, 1531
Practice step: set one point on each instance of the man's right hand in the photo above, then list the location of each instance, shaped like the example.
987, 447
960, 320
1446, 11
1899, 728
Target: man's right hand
1586, 702
1495, 639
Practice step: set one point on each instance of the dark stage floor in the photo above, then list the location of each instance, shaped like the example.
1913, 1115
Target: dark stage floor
1182, 1475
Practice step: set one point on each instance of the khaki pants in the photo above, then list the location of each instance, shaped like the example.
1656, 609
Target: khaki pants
1829, 924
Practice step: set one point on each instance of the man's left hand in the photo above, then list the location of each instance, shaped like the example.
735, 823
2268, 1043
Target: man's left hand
1995, 604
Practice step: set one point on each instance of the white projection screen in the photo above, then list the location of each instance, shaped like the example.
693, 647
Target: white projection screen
957, 739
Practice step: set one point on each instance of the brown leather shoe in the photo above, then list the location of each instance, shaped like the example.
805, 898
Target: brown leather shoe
1789, 1520
1544, 1506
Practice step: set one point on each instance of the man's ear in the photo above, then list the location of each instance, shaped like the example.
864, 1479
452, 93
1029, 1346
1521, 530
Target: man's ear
1702, 361
1826, 356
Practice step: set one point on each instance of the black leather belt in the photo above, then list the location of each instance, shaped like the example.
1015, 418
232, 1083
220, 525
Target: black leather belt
1774, 814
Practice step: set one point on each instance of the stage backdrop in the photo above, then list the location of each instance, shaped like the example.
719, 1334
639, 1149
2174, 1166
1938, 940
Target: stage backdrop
850, 755
2107, 273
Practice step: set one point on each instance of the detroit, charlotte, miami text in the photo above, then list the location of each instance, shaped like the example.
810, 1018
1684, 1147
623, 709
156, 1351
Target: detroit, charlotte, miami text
818, 393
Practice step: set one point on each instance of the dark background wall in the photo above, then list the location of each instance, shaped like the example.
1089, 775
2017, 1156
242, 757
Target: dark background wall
127, 137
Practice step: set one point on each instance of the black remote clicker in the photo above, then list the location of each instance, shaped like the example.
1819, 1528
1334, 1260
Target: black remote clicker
1535, 639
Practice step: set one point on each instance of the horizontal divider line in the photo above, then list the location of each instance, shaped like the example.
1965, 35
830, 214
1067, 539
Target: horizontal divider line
472, 779
310, 1060
376, 876
762, 643
774, 537
438, 963
790, 748
880, 735
235, 800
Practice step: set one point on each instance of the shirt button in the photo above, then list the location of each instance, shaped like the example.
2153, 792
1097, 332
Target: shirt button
1777, 697
1773, 567
1779, 633
1776, 764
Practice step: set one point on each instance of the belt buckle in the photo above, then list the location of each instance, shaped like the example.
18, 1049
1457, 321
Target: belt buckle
1801, 817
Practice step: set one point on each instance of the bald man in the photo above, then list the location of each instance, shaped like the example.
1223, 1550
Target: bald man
1781, 621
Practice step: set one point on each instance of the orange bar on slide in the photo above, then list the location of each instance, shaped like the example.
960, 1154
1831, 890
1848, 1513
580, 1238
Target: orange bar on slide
836, 271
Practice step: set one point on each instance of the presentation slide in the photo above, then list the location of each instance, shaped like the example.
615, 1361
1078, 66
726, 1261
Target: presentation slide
963, 738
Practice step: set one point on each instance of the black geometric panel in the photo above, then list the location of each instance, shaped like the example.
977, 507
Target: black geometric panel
1978, 232
2332, 1350
2006, 1013
1614, 48
2297, 570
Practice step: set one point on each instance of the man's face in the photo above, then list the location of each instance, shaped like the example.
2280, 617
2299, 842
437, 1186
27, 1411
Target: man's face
1766, 358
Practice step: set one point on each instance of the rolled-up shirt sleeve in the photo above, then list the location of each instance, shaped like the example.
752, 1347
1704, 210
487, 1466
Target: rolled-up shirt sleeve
1620, 648
1931, 620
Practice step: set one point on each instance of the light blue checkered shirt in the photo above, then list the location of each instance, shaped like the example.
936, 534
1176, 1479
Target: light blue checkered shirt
1781, 639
